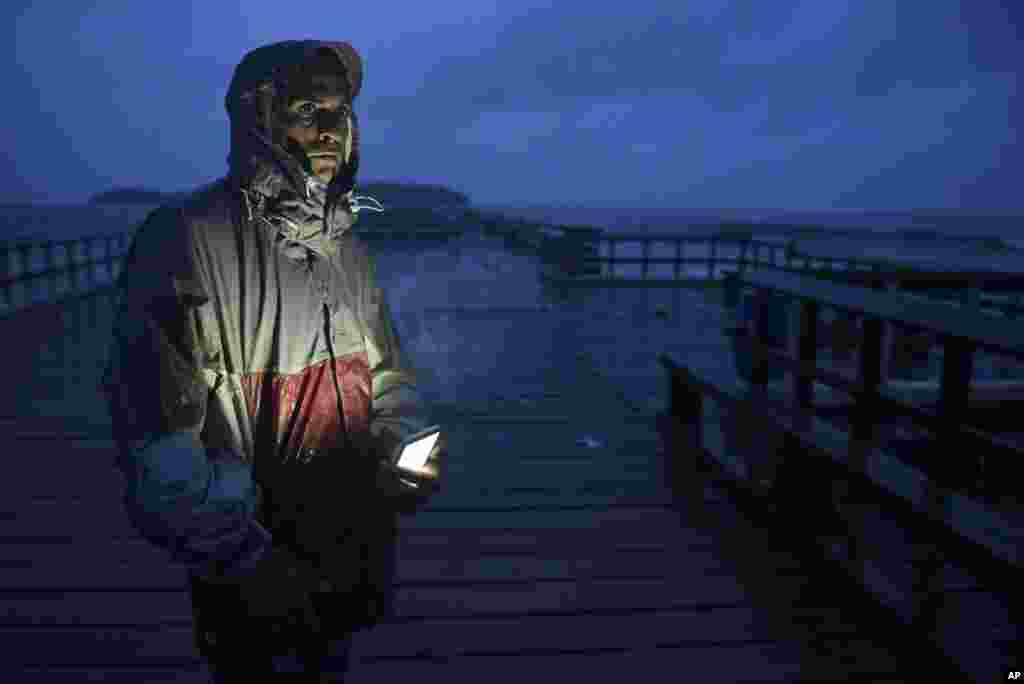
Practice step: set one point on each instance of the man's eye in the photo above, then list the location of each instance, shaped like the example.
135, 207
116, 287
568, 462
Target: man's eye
306, 108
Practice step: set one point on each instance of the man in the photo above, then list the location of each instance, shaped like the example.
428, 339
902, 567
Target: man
256, 383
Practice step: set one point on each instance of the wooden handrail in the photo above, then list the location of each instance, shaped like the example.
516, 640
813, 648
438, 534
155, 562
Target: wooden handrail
961, 333
990, 333
712, 260
115, 245
929, 418
849, 269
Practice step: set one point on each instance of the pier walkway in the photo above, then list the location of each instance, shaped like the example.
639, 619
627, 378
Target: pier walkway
556, 552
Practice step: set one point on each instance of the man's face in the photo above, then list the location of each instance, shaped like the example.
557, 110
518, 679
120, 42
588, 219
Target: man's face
316, 121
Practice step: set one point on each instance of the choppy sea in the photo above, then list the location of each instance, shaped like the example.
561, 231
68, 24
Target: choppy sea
469, 310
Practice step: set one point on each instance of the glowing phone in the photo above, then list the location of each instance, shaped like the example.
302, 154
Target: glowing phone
413, 451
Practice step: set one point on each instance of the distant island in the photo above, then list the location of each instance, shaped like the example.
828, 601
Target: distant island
405, 194
397, 194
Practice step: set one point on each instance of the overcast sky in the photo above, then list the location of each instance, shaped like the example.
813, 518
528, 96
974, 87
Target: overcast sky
798, 104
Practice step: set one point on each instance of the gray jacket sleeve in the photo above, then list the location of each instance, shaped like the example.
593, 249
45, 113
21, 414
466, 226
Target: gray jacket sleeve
197, 504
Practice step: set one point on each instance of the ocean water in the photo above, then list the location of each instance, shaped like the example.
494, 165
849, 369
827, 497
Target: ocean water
954, 224
479, 322
884, 237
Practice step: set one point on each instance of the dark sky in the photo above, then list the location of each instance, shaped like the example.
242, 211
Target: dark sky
873, 104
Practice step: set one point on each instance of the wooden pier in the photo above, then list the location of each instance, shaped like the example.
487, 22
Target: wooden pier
546, 556
576, 538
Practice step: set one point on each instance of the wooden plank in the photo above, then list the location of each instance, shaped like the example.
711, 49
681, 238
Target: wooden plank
149, 645
188, 671
610, 521
104, 482
106, 517
465, 499
475, 541
38, 482
134, 568
753, 663
610, 495
508, 449
669, 663
413, 601
18, 561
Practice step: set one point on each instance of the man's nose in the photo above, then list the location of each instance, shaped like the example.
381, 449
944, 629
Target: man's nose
330, 124
329, 139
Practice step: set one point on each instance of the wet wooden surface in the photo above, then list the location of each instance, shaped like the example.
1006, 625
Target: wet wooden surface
545, 557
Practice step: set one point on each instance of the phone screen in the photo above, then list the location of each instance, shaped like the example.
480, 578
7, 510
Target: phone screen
414, 455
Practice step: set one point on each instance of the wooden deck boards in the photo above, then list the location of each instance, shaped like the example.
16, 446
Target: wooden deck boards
541, 559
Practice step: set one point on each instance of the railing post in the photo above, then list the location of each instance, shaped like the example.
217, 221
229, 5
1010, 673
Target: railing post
889, 333
846, 491
679, 258
743, 256
109, 247
51, 265
686, 405
865, 412
972, 296
759, 371
954, 394
646, 257
927, 560
8, 274
711, 258
26, 283
806, 348
611, 257
90, 265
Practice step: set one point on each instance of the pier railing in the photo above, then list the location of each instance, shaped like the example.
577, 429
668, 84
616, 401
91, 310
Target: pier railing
687, 269
961, 334
924, 524
57, 272
725, 254
990, 291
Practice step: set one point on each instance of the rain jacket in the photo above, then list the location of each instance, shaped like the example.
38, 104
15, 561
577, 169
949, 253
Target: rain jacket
238, 378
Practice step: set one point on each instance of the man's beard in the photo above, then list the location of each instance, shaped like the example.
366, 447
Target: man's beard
299, 154
324, 175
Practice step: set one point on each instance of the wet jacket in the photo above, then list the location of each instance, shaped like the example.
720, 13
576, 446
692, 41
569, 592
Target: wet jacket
239, 380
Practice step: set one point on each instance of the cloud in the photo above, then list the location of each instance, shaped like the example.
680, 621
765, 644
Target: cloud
732, 101
509, 132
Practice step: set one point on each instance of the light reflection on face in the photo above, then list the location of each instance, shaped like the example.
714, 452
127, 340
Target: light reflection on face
317, 121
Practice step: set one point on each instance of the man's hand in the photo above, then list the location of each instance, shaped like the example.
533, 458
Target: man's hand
410, 490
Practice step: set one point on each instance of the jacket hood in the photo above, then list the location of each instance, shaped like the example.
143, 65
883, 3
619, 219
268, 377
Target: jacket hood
258, 159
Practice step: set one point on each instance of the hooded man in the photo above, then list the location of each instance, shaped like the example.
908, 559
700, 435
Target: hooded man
256, 384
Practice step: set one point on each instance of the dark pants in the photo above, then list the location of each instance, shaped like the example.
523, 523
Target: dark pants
321, 664
237, 648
